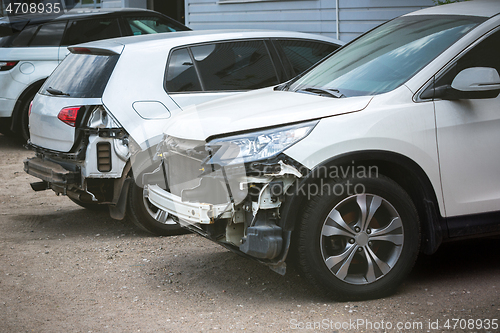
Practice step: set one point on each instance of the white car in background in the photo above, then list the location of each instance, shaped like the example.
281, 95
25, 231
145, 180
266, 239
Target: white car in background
385, 149
31, 47
110, 98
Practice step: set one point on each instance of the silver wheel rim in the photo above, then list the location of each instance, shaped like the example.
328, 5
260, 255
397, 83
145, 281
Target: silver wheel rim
361, 239
159, 215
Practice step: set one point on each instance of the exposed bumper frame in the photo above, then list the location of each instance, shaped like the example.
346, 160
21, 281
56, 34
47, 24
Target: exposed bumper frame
192, 213
50, 172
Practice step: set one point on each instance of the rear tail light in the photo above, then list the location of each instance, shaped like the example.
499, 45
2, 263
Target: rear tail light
104, 156
6, 65
69, 115
29, 110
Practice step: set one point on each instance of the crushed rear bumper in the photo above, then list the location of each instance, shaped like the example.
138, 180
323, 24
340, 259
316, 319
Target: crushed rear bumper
50, 172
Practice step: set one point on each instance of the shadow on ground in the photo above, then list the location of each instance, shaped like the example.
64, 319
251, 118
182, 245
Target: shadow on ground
459, 259
76, 222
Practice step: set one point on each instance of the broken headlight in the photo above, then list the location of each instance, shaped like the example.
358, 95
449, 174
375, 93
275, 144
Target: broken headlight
256, 146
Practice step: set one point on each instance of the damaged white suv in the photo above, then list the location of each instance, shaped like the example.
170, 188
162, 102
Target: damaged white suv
111, 97
383, 150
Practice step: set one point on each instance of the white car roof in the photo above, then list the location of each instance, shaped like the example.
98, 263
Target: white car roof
192, 37
485, 8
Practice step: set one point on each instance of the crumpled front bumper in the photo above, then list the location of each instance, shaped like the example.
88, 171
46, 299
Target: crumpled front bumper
187, 212
236, 205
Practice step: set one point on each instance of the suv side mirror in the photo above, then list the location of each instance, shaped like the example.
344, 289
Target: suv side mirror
477, 79
470, 83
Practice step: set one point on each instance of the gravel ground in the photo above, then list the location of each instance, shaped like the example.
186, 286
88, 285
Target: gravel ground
67, 269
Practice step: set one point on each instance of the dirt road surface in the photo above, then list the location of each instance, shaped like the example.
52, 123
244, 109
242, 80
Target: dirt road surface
67, 269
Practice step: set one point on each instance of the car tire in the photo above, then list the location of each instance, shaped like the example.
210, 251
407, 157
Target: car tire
359, 246
23, 128
89, 205
146, 216
5, 127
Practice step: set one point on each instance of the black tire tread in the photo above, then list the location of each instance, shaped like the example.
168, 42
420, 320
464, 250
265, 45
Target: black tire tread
139, 216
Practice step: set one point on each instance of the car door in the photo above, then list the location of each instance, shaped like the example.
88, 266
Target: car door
205, 72
468, 138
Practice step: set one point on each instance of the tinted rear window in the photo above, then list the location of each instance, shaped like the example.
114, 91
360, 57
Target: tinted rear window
181, 74
6, 41
9, 32
235, 66
49, 34
228, 66
84, 31
23, 38
81, 75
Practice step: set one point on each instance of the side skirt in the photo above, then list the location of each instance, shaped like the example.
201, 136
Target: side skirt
473, 225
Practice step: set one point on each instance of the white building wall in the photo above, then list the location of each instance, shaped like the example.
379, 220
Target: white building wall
313, 16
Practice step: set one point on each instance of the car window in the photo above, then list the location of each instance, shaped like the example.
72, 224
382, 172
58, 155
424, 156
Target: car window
81, 75
151, 25
49, 34
4, 40
181, 74
5, 29
9, 31
18, 38
24, 37
83, 31
485, 54
302, 54
234, 66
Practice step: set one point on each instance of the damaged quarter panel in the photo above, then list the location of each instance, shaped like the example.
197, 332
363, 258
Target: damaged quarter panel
137, 98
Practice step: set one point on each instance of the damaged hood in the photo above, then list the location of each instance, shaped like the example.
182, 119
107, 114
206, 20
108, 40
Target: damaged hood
257, 109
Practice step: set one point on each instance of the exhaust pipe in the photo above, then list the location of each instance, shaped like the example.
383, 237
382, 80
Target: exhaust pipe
39, 186
85, 197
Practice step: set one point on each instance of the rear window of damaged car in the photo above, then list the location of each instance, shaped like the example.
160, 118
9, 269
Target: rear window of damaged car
81, 76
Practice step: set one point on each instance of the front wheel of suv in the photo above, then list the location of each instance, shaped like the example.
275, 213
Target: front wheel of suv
149, 218
359, 238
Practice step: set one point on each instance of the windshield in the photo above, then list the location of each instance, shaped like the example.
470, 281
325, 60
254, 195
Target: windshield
388, 56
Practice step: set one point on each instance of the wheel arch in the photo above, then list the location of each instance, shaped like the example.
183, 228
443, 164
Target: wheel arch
403, 170
16, 113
